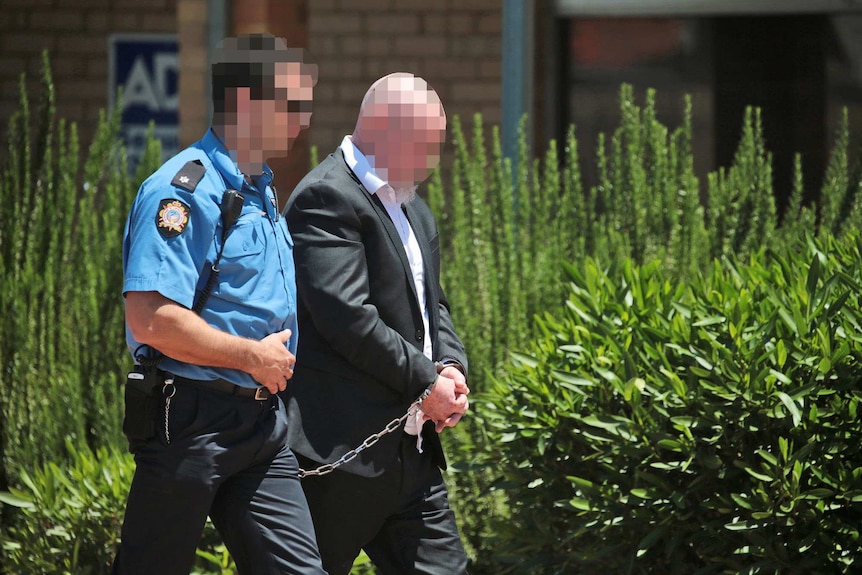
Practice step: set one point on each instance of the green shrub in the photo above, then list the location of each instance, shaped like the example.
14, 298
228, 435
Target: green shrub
69, 518
703, 427
62, 345
505, 235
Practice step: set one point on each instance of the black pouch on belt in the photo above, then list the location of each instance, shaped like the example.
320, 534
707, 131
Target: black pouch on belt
142, 402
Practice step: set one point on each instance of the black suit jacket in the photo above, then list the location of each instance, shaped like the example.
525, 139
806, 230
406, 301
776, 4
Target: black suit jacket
360, 362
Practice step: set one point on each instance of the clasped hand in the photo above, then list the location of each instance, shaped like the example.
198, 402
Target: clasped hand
447, 403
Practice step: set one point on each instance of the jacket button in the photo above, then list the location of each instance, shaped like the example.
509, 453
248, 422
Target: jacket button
419, 335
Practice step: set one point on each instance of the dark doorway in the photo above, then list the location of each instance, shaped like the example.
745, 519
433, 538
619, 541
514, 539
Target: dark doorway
777, 64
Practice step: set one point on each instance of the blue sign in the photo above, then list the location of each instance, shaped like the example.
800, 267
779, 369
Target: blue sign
146, 66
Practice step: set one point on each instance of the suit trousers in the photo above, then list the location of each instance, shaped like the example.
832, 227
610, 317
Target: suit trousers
401, 518
227, 458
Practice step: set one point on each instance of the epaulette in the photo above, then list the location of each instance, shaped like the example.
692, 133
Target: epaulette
189, 175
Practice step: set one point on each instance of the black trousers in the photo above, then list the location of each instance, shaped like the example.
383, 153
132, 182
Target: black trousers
227, 458
401, 519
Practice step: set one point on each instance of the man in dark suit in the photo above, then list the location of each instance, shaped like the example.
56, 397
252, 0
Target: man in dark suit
375, 335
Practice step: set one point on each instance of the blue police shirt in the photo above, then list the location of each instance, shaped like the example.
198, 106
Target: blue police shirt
171, 240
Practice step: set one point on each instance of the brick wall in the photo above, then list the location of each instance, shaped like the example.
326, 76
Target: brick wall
194, 108
286, 19
75, 32
454, 44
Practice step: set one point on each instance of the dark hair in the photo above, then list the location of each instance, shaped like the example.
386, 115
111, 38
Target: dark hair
249, 62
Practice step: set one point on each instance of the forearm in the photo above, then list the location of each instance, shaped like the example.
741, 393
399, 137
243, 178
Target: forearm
386, 355
181, 334
358, 334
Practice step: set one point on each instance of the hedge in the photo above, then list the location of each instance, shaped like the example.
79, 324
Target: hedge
704, 427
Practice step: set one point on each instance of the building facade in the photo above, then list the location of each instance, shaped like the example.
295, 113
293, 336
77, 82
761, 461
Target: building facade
454, 44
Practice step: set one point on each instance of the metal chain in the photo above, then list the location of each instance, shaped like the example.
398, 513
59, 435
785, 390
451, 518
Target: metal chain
168, 382
369, 441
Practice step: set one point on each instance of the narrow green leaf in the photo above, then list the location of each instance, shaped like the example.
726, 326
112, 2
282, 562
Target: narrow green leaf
21, 501
755, 474
651, 539
712, 320
813, 276
780, 376
781, 353
742, 525
642, 493
571, 379
579, 503
580, 482
791, 407
525, 359
741, 501
818, 493
670, 445
768, 457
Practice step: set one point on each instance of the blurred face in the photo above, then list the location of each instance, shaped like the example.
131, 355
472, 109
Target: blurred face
271, 126
405, 138
421, 138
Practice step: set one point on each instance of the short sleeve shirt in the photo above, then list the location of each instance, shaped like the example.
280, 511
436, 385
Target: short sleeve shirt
172, 237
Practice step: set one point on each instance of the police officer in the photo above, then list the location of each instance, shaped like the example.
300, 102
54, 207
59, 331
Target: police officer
210, 318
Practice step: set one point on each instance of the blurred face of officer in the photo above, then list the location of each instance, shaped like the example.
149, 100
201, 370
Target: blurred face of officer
270, 126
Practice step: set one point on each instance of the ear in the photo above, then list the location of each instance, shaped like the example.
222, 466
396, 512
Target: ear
237, 101
243, 99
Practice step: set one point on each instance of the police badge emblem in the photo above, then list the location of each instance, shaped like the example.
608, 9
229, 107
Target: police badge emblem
172, 217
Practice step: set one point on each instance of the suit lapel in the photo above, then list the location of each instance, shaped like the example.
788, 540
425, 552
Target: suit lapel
388, 225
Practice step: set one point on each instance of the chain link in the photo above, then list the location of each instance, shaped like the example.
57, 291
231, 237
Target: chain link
168, 396
393, 425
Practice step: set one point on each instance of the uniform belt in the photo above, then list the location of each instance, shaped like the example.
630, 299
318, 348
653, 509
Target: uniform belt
222, 386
